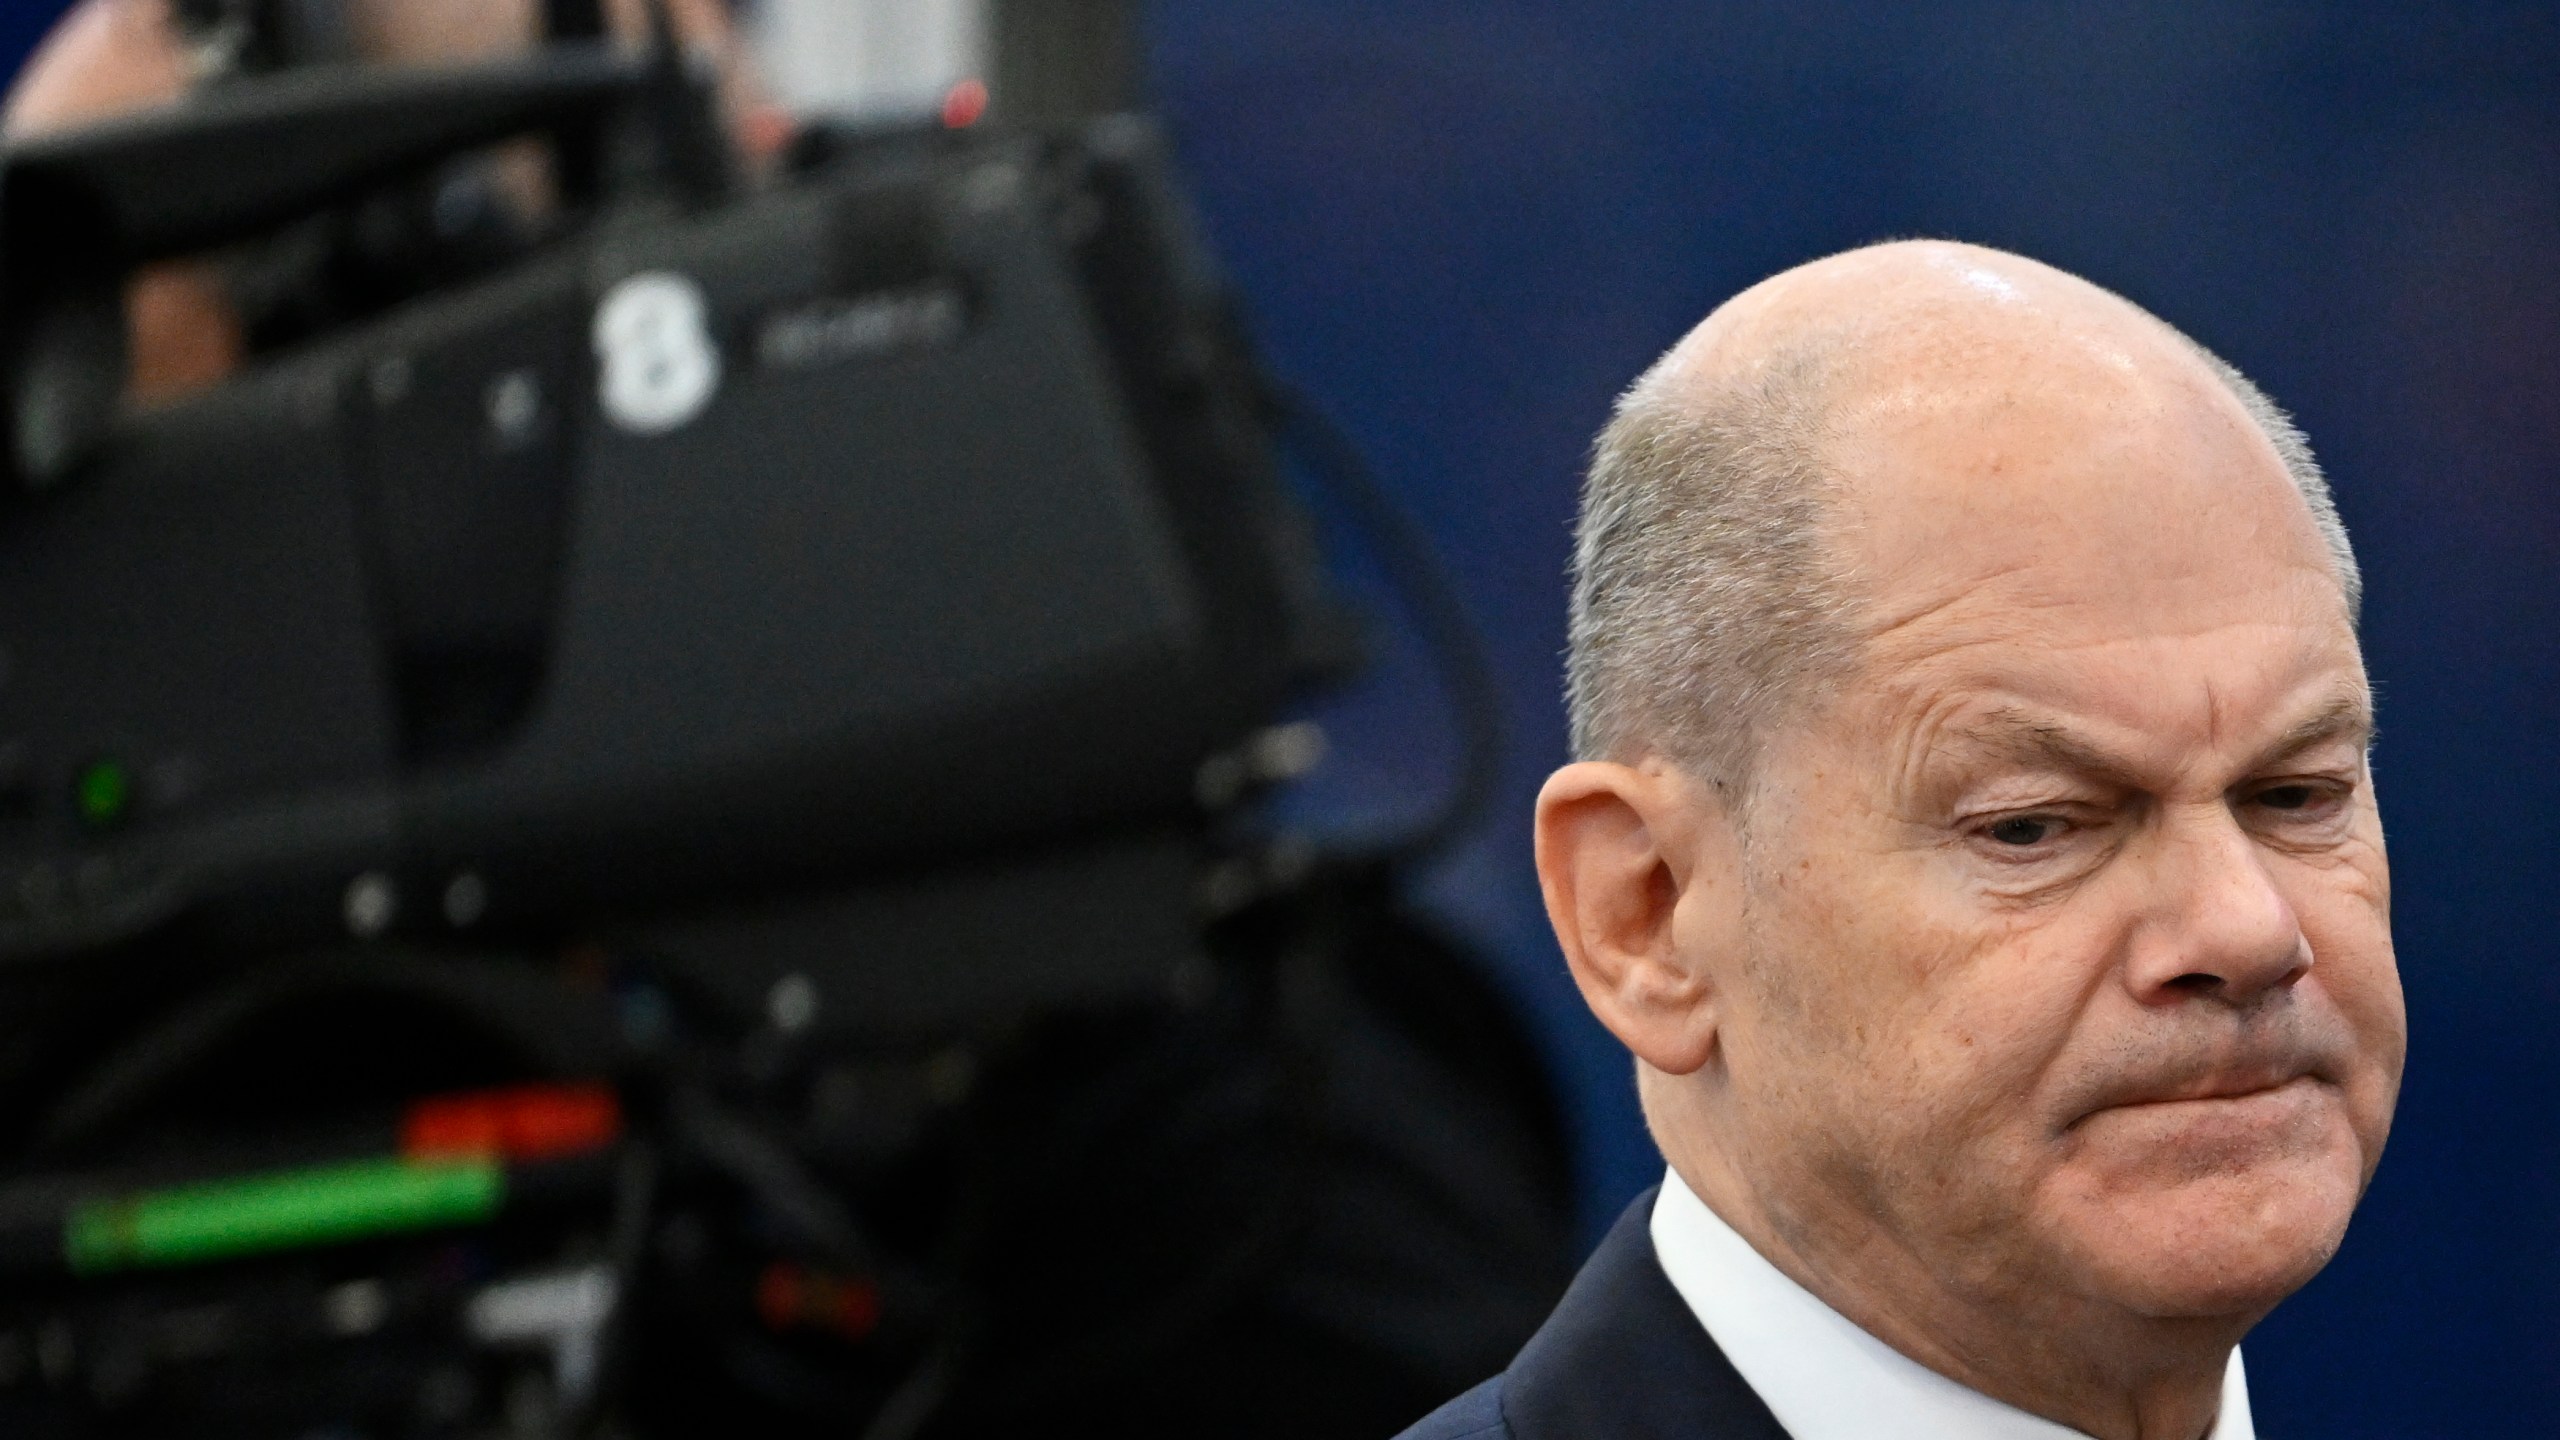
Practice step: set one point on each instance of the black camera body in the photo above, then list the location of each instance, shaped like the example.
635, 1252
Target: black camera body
920, 507
646, 840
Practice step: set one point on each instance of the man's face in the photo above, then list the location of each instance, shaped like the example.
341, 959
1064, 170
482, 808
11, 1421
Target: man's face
2071, 969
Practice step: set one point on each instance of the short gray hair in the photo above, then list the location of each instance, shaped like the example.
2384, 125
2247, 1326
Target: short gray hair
1706, 597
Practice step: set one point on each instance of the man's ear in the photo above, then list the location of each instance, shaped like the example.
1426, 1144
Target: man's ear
1622, 852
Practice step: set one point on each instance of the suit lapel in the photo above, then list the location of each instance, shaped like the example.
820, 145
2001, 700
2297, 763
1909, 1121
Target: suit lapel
1623, 1358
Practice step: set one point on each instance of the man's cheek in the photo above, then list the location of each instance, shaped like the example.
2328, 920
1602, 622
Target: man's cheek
2355, 970
1990, 995
2372, 1004
1991, 1050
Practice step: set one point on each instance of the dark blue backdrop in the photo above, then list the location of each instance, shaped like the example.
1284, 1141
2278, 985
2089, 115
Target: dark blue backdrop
1464, 223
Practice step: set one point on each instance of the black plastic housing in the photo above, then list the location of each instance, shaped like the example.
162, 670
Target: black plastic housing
974, 542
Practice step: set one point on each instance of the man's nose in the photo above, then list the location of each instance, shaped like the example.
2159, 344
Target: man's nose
2224, 929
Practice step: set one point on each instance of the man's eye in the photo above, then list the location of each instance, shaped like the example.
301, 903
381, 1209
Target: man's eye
2023, 830
2288, 797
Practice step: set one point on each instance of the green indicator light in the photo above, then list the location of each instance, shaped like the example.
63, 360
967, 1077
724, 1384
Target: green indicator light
286, 1210
104, 792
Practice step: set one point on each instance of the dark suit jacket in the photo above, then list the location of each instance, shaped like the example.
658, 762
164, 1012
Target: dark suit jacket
1622, 1358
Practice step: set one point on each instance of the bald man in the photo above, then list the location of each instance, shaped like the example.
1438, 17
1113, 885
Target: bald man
1971, 837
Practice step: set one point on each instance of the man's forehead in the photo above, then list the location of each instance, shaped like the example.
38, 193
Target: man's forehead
2112, 490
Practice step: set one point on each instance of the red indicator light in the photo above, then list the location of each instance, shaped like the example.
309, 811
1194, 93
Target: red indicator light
964, 104
526, 1122
791, 1298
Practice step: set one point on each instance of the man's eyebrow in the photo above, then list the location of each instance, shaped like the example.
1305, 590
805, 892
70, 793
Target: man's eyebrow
2348, 715
2024, 739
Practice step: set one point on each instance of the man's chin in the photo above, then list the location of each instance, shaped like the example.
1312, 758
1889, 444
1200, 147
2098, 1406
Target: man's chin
2228, 1244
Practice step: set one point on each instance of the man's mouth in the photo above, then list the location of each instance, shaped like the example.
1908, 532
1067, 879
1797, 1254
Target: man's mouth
2236, 1091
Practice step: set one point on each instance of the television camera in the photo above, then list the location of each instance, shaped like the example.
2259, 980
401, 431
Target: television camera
655, 836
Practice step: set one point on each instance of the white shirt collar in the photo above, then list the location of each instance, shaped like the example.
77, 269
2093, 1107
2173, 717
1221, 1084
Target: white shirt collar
1823, 1377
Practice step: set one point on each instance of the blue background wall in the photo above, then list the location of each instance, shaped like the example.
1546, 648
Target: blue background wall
1464, 223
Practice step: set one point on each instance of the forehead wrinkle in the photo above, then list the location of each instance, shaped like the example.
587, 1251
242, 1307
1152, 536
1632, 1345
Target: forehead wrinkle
1917, 745
2029, 607
1950, 599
